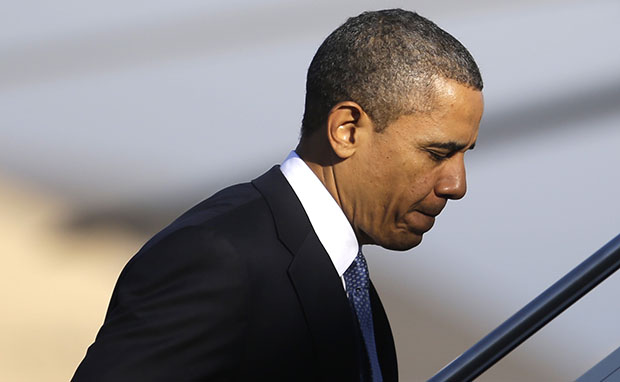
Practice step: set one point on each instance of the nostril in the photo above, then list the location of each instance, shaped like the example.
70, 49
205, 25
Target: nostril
451, 188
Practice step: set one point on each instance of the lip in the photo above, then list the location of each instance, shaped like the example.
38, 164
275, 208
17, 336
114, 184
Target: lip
431, 213
419, 222
431, 210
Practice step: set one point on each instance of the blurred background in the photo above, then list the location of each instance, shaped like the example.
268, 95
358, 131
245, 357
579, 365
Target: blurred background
116, 116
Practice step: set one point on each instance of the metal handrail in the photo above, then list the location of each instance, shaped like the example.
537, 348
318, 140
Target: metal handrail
536, 314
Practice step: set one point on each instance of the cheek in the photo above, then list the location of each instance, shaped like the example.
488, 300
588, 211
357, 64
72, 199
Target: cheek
418, 185
395, 178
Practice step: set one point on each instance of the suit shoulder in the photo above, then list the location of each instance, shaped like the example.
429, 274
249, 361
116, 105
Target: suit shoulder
209, 214
221, 203
210, 235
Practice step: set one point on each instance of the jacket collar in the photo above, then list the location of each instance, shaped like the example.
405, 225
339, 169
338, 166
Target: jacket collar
328, 221
318, 286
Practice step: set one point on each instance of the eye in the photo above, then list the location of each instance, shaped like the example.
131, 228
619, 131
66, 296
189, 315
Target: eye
437, 156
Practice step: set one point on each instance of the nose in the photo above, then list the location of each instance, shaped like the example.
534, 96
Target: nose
452, 182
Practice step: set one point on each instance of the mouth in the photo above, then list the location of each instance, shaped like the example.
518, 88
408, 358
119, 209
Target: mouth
431, 212
419, 222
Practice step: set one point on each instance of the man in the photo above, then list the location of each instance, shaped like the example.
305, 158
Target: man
265, 281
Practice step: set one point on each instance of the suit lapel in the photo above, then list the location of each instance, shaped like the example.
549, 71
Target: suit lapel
383, 338
327, 310
318, 287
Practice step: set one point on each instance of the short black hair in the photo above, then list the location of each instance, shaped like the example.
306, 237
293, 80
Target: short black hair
387, 62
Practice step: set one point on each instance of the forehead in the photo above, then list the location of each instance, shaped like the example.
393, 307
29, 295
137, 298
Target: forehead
450, 96
455, 114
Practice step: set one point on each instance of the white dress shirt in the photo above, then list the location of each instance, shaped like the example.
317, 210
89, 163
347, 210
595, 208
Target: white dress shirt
328, 221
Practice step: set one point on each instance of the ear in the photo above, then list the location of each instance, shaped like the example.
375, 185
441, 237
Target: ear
347, 128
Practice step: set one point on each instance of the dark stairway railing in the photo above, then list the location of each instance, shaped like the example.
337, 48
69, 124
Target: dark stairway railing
536, 314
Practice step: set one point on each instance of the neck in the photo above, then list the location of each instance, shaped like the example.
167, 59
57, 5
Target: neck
322, 161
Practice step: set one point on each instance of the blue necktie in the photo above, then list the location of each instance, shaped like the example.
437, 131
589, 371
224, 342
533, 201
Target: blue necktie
357, 283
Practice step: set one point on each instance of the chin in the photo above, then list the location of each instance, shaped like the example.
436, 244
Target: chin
402, 241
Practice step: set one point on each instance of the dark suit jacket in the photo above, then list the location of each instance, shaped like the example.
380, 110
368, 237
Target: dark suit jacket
239, 288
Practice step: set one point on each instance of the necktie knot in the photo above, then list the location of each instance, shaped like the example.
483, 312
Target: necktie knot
356, 276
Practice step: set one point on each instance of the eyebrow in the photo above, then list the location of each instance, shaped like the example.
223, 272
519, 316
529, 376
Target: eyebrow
451, 146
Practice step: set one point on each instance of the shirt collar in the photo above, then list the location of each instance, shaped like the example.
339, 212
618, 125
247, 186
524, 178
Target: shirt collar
328, 221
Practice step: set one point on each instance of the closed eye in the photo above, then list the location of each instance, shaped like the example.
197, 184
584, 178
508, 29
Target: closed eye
439, 151
438, 156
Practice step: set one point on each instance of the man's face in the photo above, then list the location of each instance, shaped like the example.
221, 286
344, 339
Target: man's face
402, 177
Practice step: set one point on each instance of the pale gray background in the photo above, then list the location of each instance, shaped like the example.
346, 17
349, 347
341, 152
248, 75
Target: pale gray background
133, 110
